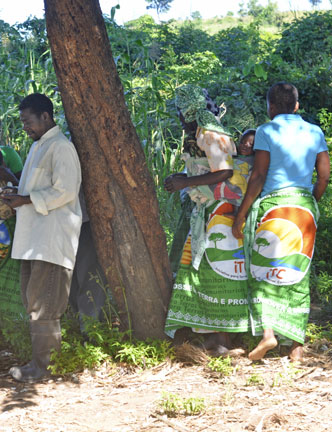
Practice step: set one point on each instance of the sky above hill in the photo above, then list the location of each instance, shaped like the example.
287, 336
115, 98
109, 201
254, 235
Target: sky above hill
17, 11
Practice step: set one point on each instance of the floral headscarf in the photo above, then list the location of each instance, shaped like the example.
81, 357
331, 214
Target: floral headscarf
195, 105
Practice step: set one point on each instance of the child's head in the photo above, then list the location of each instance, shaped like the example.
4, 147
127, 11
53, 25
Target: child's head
246, 145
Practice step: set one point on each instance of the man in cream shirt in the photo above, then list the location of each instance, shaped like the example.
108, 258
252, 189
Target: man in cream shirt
47, 230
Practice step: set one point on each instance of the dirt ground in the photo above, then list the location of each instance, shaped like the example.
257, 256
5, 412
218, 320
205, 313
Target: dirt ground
270, 395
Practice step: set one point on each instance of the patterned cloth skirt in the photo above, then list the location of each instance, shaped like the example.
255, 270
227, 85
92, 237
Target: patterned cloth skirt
279, 245
212, 298
11, 305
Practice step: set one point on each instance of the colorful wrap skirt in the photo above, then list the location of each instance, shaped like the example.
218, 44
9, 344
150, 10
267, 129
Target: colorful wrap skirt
279, 244
214, 296
11, 305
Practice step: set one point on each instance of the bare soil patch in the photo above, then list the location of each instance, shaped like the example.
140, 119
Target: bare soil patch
270, 395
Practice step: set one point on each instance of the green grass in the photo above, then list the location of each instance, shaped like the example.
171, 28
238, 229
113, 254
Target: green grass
174, 405
104, 343
316, 332
221, 365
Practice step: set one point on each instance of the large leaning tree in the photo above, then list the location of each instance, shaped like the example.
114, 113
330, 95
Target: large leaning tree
119, 190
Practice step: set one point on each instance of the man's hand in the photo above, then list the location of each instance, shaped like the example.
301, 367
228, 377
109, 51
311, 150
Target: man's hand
237, 227
8, 190
175, 182
14, 200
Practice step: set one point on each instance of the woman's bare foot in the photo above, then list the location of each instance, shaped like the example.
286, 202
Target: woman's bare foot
296, 352
265, 345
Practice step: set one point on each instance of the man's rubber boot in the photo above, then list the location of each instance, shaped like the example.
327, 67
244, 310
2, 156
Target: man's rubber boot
45, 336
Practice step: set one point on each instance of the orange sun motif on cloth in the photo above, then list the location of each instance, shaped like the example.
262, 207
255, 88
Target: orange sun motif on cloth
304, 222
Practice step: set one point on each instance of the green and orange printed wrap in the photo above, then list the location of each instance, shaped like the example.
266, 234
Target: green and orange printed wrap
213, 297
11, 306
279, 245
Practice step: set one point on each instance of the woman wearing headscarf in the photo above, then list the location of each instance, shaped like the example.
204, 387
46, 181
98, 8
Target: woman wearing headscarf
210, 289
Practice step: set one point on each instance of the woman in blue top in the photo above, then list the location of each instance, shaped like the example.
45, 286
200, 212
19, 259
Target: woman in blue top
281, 226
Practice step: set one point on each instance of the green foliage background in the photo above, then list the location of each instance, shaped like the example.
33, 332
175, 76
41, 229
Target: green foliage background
236, 59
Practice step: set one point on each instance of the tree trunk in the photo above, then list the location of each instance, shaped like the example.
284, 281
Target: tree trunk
119, 190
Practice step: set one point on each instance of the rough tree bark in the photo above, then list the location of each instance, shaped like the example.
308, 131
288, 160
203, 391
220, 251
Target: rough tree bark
119, 190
